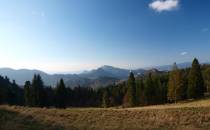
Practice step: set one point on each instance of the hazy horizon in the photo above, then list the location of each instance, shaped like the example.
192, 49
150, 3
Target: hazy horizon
69, 36
90, 69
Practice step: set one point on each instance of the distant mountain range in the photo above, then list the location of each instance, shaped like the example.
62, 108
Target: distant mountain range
168, 67
99, 77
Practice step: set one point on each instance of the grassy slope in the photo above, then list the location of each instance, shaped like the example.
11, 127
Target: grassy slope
188, 115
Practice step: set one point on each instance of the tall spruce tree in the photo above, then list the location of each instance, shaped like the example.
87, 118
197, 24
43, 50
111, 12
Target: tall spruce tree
37, 92
33, 92
27, 95
207, 78
105, 98
195, 81
175, 85
131, 91
61, 95
140, 92
158, 89
150, 90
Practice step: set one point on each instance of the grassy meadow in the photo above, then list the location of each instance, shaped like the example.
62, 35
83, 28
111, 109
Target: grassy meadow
192, 115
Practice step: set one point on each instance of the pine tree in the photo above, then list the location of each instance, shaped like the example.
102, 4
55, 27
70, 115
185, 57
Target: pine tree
41, 94
49, 96
158, 89
131, 91
150, 90
27, 93
33, 92
163, 80
10, 93
175, 85
37, 92
61, 95
207, 78
183, 90
105, 98
140, 92
195, 81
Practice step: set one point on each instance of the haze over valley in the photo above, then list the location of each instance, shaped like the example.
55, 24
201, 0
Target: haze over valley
99, 77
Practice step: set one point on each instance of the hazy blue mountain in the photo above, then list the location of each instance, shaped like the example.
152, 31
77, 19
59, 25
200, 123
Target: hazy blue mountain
72, 80
169, 67
21, 75
99, 77
106, 71
110, 71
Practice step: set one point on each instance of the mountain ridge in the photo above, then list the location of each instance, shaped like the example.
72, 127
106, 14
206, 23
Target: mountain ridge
94, 78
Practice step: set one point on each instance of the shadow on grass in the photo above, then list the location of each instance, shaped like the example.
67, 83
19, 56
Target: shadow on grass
10, 120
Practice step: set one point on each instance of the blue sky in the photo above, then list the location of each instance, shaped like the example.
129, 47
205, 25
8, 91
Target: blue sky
73, 35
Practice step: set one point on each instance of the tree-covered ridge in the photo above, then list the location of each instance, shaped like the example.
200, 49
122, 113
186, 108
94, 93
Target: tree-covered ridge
10, 92
152, 88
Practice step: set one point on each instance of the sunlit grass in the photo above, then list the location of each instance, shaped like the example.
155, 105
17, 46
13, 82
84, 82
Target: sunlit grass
184, 115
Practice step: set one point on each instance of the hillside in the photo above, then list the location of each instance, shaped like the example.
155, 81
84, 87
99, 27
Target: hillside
181, 116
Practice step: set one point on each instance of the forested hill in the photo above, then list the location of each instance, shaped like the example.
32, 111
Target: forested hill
154, 87
101, 76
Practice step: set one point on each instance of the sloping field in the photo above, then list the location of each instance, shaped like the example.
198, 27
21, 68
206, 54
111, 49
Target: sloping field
192, 115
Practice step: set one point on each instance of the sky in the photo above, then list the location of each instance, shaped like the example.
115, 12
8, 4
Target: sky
63, 36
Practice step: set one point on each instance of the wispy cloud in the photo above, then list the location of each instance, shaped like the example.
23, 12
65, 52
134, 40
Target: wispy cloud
164, 5
204, 30
38, 13
183, 53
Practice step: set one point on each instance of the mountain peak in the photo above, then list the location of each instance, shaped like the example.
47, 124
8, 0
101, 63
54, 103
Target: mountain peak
106, 66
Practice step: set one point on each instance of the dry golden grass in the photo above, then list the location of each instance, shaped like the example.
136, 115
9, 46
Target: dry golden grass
192, 115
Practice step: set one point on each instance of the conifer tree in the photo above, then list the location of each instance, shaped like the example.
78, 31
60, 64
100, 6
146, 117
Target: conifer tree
27, 93
140, 92
158, 89
195, 81
33, 92
60, 94
131, 91
37, 92
150, 90
175, 85
207, 78
105, 99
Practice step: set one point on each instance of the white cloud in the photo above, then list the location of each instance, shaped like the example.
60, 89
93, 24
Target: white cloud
183, 53
164, 5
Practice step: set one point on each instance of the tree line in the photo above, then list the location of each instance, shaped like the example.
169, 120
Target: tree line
148, 89
176, 85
